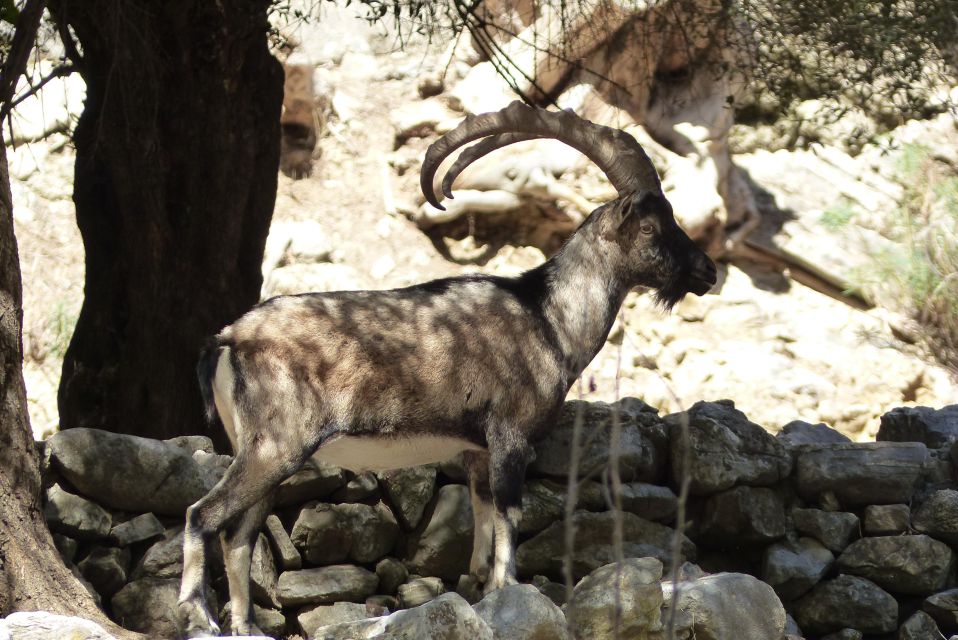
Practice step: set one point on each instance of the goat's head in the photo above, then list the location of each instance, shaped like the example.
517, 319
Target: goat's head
652, 250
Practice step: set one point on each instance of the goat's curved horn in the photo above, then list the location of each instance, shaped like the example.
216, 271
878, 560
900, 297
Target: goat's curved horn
476, 151
615, 152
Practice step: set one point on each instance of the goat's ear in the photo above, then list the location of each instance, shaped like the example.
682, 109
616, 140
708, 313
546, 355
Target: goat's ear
624, 208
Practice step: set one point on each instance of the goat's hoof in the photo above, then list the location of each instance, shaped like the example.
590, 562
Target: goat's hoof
493, 585
246, 628
196, 621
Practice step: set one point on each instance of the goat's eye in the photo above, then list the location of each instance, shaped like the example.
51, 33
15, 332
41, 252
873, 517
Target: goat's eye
646, 228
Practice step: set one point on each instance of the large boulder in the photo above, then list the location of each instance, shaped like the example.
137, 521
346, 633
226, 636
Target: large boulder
886, 519
148, 605
846, 602
861, 473
915, 565
640, 457
315, 480
106, 568
331, 533
326, 585
42, 625
164, 559
938, 516
440, 545
130, 473
920, 626
798, 432
743, 514
943, 607
448, 617
543, 554
725, 606
934, 427
724, 449
141, 528
632, 588
521, 612
792, 568
312, 618
409, 491
419, 591
75, 516
834, 529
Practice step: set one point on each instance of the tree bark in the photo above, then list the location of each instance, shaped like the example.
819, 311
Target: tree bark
32, 575
177, 156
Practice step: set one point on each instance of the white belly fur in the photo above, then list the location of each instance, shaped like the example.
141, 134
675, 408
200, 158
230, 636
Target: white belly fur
371, 453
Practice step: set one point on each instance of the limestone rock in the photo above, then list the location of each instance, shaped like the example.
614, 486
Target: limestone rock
165, 558
448, 617
792, 568
41, 625
886, 519
846, 602
833, 529
361, 487
555, 591
312, 618
327, 533
263, 574
66, 546
130, 473
106, 569
325, 585
392, 573
270, 621
649, 501
862, 472
437, 547
938, 516
142, 528
315, 480
521, 612
943, 607
639, 458
797, 433
591, 611
744, 514
844, 634
725, 606
543, 503
409, 491
75, 516
725, 449
543, 554
148, 605
192, 444
283, 548
916, 565
919, 626
934, 428
419, 591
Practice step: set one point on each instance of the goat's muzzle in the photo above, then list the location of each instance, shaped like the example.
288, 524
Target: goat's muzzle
702, 276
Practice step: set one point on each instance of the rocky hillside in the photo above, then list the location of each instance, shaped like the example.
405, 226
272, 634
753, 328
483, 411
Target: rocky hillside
778, 348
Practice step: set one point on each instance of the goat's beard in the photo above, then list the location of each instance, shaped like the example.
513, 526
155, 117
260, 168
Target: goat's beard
670, 294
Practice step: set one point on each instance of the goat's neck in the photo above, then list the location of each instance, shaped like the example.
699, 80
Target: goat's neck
584, 296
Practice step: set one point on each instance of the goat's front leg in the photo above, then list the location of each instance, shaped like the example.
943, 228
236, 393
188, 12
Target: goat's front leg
506, 472
477, 466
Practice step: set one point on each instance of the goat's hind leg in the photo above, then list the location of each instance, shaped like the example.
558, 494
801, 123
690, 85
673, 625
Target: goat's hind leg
247, 481
477, 467
239, 540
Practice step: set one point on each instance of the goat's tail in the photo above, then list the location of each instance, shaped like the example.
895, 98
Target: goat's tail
205, 370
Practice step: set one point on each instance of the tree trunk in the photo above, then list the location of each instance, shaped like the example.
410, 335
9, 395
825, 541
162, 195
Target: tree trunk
32, 575
177, 157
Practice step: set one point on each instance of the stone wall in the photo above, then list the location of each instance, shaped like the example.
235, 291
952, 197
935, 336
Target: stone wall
847, 538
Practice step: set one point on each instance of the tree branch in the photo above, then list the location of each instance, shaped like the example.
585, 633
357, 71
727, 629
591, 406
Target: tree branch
59, 71
23, 38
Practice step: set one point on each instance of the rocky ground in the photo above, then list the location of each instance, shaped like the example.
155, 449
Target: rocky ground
777, 348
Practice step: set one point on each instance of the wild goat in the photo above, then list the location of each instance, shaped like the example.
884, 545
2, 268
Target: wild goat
480, 365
